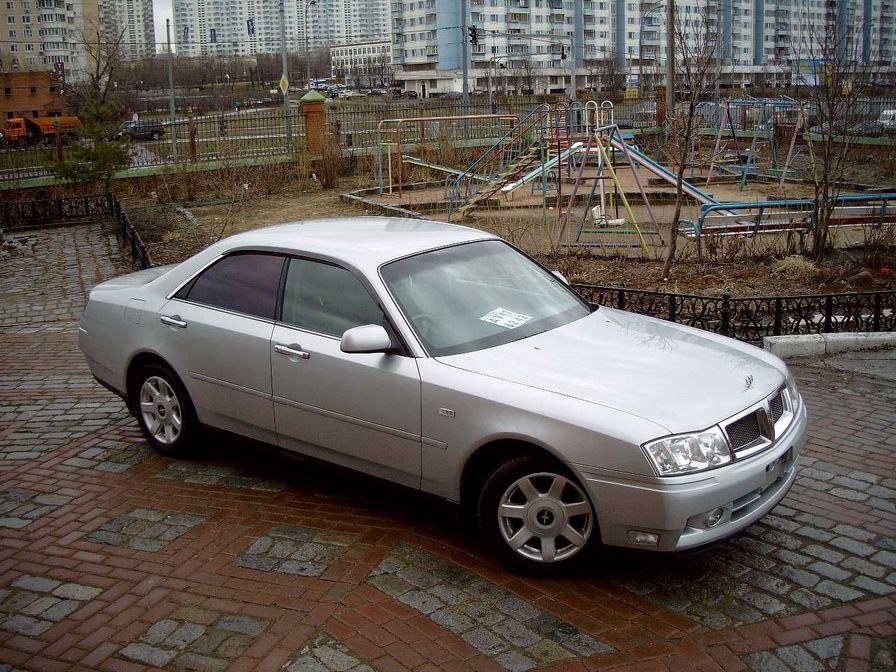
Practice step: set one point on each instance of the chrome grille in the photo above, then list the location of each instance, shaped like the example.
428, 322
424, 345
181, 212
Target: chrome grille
744, 431
776, 407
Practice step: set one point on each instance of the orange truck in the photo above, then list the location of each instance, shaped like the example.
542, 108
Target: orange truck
25, 131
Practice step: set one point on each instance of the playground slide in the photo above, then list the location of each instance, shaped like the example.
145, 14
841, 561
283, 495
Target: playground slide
661, 172
575, 147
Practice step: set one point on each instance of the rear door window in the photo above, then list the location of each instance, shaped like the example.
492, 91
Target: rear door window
246, 282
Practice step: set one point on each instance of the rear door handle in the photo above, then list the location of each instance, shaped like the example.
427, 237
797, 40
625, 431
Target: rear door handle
173, 321
292, 350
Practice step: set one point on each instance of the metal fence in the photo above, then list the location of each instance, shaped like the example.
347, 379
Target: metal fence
261, 132
752, 318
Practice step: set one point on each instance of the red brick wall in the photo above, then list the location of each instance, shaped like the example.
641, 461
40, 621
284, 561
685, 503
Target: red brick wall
30, 94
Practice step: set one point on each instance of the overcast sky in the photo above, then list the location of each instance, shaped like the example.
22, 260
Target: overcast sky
161, 10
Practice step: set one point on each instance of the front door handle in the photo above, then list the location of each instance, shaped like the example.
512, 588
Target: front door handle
173, 321
292, 350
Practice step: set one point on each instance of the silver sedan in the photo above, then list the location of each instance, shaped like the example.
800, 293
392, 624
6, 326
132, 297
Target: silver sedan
444, 359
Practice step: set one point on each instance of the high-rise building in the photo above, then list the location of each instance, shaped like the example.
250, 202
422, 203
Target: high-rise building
249, 27
129, 24
530, 45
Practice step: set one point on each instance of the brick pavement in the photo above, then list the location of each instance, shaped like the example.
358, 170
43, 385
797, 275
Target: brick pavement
114, 558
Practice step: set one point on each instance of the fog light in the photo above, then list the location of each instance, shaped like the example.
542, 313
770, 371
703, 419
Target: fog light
715, 517
643, 538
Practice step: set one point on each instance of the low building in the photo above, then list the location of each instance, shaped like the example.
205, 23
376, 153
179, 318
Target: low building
30, 94
363, 65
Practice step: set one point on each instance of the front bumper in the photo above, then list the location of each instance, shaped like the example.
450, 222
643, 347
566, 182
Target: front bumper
675, 509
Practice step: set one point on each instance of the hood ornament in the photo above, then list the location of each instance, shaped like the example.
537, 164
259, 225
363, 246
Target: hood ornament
749, 382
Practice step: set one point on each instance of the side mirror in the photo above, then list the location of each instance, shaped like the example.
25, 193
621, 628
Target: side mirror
561, 276
366, 338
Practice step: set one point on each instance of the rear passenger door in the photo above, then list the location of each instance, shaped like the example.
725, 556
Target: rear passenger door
216, 333
358, 410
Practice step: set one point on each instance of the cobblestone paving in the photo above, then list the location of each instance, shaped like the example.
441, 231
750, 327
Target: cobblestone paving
33, 604
514, 633
112, 456
49, 283
19, 508
817, 655
789, 563
403, 586
302, 551
145, 529
324, 653
195, 639
209, 474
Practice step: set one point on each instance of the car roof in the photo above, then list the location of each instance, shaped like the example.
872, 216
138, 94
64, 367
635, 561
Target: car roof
364, 242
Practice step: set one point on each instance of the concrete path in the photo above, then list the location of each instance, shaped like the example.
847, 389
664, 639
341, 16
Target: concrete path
114, 558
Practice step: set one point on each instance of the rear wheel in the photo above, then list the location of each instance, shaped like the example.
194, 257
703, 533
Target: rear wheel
163, 410
536, 516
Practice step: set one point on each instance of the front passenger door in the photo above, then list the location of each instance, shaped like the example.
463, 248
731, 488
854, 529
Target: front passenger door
358, 410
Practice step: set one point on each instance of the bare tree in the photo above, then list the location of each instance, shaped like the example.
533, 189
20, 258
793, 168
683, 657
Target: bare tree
696, 51
610, 74
842, 77
103, 56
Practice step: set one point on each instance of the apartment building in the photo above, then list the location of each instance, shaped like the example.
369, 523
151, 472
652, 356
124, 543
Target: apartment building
530, 45
249, 27
38, 34
129, 23
363, 64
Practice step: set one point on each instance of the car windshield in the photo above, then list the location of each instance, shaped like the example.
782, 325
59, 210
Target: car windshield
478, 295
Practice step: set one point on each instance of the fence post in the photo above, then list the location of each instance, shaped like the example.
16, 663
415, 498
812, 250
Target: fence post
672, 307
621, 304
875, 319
726, 313
828, 310
779, 306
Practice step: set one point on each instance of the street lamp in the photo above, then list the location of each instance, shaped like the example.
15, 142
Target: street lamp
655, 6
491, 66
308, 4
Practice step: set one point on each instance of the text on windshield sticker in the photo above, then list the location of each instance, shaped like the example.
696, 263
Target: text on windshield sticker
506, 318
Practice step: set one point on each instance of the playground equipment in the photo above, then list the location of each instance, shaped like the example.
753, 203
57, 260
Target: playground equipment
597, 143
770, 115
390, 137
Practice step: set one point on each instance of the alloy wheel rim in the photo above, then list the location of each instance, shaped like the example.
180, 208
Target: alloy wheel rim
545, 517
161, 410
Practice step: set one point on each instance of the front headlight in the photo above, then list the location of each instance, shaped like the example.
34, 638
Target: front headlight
792, 392
687, 453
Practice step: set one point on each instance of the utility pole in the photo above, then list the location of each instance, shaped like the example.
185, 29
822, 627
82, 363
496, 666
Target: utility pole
670, 58
719, 51
465, 65
171, 90
285, 77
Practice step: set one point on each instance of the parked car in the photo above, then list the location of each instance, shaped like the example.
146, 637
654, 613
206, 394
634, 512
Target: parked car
887, 121
408, 94
142, 130
444, 359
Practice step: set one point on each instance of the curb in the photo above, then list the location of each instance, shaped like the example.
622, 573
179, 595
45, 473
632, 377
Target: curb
820, 345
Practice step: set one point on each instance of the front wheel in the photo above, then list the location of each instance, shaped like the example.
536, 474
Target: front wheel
163, 410
536, 516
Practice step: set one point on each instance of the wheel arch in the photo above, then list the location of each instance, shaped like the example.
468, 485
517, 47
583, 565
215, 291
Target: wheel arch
485, 458
137, 362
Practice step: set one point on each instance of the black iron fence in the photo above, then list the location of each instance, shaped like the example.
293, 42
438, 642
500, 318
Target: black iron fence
752, 318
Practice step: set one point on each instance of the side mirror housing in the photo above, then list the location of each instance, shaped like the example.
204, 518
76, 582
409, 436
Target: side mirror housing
366, 338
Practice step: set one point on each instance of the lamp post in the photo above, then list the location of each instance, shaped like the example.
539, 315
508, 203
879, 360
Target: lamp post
284, 79
655, 6
491, 65
308, 4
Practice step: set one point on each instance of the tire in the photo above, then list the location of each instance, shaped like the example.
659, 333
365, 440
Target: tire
164, 410
551, 526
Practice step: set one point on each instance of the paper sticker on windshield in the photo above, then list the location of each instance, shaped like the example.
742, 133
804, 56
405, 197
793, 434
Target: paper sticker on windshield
506, 318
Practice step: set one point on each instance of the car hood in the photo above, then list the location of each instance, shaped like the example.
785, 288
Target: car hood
674, 376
